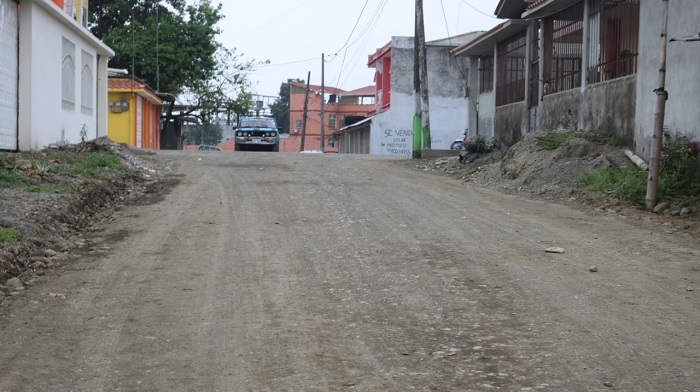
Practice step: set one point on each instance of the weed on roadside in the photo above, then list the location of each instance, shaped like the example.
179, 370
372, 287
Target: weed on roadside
552, 140
8, 233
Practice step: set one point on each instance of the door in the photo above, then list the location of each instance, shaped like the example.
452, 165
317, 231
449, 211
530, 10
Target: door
8, 75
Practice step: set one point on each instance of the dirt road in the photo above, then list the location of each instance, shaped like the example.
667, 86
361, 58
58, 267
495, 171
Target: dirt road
290, 272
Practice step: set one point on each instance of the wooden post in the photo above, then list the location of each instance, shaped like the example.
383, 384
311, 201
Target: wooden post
323, 103
659, 114
306, 105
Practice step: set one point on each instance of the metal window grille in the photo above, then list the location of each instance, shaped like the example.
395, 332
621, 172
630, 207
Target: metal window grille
486, 73
510, 77
614, 39
331, 121
563, 48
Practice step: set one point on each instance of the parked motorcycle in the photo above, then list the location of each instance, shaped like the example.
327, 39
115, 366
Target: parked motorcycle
459, 143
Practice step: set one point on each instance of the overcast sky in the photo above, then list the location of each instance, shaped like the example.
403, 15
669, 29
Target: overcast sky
293, 34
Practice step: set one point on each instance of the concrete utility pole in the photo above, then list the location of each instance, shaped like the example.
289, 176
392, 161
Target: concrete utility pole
306, 105
421, 118
323, 102
659, 114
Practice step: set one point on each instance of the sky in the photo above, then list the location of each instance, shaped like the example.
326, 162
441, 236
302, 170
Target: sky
293, 34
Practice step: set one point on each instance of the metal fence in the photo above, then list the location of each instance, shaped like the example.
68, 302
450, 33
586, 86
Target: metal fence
511, 63
563, 48
614, 39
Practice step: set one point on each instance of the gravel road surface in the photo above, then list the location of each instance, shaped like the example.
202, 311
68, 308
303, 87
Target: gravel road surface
305, 272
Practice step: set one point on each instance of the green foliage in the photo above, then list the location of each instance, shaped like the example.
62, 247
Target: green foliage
679, 177
479, 143
93, 165
206, 133
186, 39
623, 184
8, 233
551, 140
83, 134
10, 178
679, 167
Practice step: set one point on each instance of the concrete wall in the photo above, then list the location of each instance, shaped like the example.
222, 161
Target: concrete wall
682, 72
42, 120
610, 107
560, 111
486, 115
512, 122
392, 130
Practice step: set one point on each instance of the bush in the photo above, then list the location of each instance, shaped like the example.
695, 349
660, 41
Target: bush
479, 143
679, 168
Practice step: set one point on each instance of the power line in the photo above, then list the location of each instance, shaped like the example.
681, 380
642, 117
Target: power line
354, 27
478, 10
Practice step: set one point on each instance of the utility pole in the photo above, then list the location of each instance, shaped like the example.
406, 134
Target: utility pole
323, 103
306, 105
659, 114
421, 118
417, 138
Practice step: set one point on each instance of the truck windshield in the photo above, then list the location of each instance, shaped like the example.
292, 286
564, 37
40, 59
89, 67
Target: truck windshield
257, 123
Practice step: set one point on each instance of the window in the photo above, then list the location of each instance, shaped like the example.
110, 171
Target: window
510, 83
297, 123
331, 121
86, 85
486, 73
68, 76
614, 37
563, 47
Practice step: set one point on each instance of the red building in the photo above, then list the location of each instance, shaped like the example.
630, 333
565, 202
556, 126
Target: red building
341, 107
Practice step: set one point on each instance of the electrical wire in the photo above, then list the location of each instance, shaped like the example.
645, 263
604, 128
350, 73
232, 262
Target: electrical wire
478, 10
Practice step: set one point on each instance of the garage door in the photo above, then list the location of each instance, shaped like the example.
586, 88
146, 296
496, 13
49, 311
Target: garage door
8, 75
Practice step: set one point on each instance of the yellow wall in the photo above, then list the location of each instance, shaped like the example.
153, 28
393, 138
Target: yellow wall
120, 126
79, 6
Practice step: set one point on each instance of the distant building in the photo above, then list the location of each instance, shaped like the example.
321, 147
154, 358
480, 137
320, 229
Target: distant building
77, 9
340, 107
134, 112
390, 130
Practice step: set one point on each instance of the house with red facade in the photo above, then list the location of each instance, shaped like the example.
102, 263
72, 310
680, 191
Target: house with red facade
341, 108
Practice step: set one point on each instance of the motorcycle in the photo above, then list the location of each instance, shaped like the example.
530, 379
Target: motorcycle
459, 143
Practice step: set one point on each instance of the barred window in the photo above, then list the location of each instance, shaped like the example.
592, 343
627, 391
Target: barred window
563, 49
486, 73
331, 121
297, 123
614, 39
510, 77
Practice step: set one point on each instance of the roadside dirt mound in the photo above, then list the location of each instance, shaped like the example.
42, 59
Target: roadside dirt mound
531, 171
51, 216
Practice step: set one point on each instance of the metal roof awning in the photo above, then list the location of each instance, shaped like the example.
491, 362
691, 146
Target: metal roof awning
484, 43
544, 8
507, 9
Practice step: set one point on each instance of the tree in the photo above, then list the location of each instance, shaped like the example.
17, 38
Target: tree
280, 108
179, 39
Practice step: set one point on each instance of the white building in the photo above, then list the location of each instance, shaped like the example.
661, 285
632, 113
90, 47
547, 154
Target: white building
53, 80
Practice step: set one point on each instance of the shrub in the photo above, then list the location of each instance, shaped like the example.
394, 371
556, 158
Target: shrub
479, 143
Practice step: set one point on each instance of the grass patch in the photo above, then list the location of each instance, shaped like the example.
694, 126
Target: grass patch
94, 165
11, 178
601, 137
552, 140
54, 188
8, 233
623, 184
